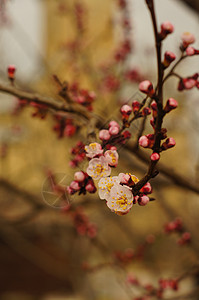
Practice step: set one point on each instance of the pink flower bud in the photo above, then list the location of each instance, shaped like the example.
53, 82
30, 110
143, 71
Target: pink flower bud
90, 187
75, 186
190, 51
169, 143
146, 87
171, 104
143, 200
187, 39
143, 141
155, 156
189, 83
113, 130
104, 135
166, 28
79, 176
146, 189
136, 106
168, 58
126, 110
114, 124
70, 190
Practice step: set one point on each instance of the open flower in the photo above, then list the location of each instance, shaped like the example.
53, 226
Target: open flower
105, 185
98, 168
127, 179
120, 199
93, 150
111, 157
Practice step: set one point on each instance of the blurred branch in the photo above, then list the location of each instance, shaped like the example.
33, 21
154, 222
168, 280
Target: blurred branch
55, 104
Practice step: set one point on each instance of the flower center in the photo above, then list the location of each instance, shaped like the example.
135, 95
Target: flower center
92, 146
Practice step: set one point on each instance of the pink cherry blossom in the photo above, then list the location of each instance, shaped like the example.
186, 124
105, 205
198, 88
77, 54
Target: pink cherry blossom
111, 157
104, 135
113, 130
105, 185
120, 199
93, 150
98, 168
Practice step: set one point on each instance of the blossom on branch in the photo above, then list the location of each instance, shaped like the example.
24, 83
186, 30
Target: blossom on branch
98, 168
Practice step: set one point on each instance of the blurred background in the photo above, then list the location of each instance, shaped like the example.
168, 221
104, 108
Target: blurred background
44, 253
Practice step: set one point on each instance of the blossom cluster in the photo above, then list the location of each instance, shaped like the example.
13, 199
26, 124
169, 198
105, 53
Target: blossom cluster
116, 190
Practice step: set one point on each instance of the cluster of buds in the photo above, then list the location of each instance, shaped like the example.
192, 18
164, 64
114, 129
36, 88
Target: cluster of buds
123, 51
78, 153
64, 127
79, 14
189, 82
20, 105
176, 226
124, 257
82, 223
165, 284
110, 83
82, 96
40, 110
142, 197
82, 183
134, 75
166, 28
113, 135
147, 141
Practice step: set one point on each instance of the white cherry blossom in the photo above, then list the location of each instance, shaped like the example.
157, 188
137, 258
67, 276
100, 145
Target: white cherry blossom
105, 185
120, 199
98, 168
93, 150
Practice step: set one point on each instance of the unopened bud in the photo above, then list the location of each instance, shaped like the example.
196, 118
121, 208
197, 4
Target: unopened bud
170, 105
155, 156
169, 57
146, 87
169, 143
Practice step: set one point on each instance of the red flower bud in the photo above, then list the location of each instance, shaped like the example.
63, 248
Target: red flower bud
11, 71
171, 104
169, 143
136, 106
169, 57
